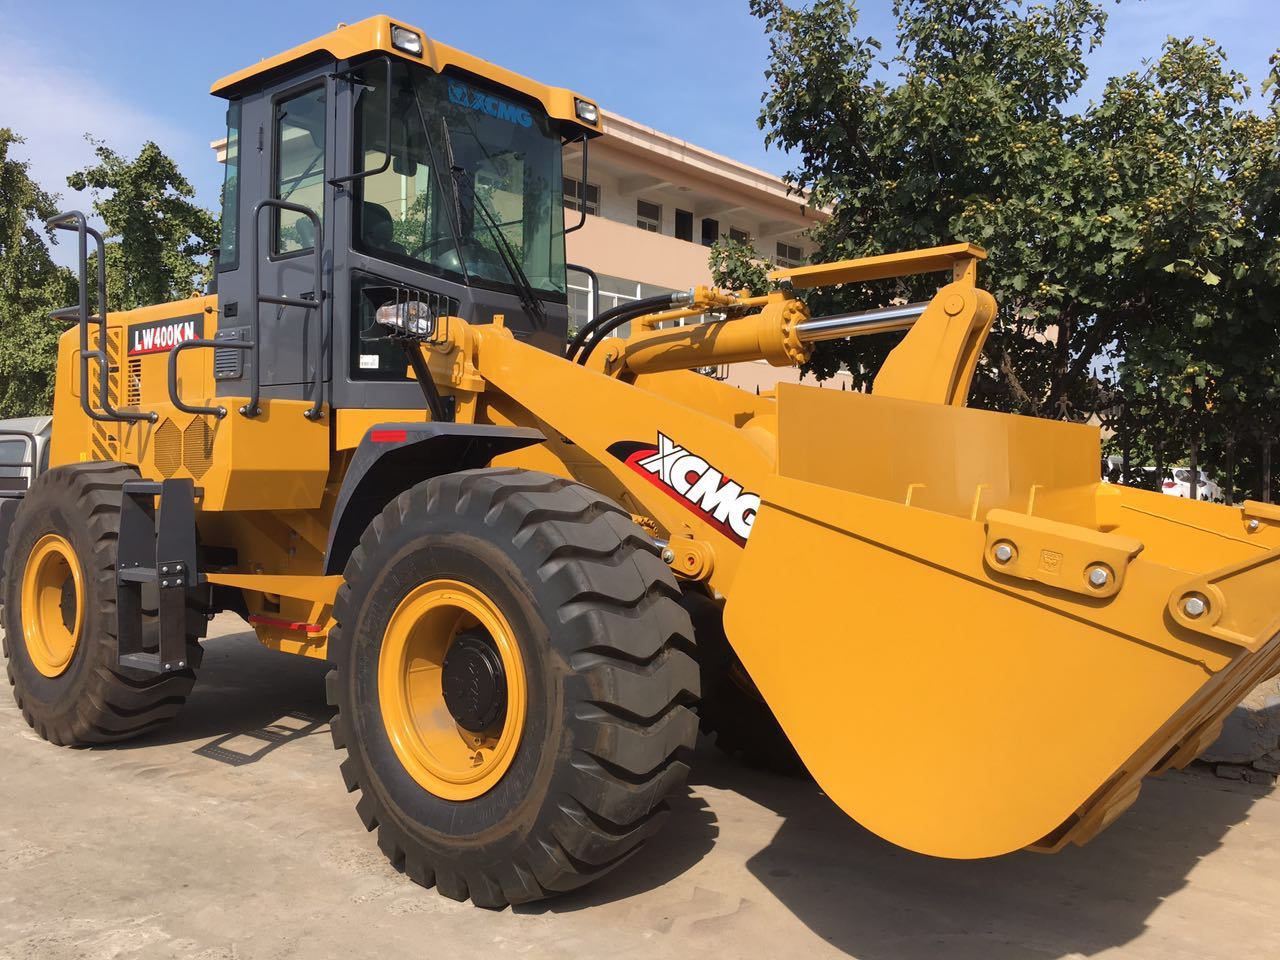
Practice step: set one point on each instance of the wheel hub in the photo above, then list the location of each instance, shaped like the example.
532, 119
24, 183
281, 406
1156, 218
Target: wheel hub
452, 689
52, 615
474, 683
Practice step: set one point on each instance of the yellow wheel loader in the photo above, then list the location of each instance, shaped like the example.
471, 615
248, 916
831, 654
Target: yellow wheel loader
524, 555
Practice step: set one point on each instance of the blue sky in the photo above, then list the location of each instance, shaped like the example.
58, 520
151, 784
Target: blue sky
692, 68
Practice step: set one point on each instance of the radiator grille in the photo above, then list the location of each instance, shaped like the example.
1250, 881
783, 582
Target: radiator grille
197, 447
133, 383
168, 448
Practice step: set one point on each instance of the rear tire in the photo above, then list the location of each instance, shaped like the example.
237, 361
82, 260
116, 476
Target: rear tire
606, 668
77, 694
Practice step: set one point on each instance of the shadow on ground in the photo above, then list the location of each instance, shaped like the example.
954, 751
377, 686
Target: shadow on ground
864, 896
876, 901
247, 702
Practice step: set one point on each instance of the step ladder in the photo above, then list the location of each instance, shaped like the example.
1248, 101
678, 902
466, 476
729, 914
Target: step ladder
157, 546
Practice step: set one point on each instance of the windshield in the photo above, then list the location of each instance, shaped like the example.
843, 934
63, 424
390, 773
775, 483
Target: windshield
504, 150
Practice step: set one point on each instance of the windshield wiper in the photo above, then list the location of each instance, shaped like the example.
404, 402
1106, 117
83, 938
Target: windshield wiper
528, 297
520, 280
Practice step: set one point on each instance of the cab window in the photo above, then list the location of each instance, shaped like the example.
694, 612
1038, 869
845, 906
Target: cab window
300, 173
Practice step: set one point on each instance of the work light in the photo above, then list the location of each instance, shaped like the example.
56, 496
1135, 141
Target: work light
587, 112
406, 40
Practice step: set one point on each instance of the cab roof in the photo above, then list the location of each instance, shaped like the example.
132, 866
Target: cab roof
374, 36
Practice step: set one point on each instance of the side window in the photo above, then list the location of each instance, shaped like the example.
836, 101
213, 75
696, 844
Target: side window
13, 453
228, 251
300, 175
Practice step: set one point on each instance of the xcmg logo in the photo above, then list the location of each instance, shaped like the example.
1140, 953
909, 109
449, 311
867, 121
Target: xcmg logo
693, 482
473, 99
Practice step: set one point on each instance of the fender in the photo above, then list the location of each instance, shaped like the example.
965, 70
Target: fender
392, 457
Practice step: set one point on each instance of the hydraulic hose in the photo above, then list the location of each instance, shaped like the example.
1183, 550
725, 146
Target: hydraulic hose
610, 320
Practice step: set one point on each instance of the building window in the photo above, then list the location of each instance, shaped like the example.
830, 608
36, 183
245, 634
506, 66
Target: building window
579, 196
710, 231
684, 225
649, 216
789, 256
739, 236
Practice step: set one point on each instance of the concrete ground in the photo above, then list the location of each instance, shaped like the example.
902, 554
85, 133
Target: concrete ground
229, 835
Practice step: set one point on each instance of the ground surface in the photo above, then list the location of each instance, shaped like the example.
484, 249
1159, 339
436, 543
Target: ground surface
230, 836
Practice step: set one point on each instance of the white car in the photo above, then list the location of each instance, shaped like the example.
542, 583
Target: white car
24, 455
1177, 483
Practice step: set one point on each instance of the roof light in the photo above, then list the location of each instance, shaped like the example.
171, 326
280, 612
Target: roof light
587, 112
406, 40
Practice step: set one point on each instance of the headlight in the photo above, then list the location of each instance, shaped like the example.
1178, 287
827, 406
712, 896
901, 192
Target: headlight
587, 112
412, 319
406, 40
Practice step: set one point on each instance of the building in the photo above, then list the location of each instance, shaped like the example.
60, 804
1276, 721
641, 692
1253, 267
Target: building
653, 205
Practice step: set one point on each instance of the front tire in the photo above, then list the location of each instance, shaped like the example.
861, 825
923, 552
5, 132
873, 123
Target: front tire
59, 615
572, 679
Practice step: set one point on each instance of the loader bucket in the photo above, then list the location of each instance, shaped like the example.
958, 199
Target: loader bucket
973, 644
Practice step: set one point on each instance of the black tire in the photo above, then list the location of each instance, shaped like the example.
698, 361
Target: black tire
732, 711
611, 677
93, 700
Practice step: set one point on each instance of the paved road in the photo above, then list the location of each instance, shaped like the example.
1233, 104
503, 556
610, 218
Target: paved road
230, 836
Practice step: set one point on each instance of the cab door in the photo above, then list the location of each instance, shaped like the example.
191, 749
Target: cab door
300, 156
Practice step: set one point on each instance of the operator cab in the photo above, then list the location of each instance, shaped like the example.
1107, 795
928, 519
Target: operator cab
393, 167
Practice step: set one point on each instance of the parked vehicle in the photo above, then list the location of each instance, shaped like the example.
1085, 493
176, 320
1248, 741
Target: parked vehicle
1177, 483
24, 455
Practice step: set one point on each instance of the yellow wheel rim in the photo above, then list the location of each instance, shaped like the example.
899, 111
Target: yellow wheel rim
52, 604
445, 758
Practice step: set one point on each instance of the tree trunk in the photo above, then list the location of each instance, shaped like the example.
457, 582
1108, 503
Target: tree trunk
1195, 471
1126, 447
1230, 491
1266, 471
1159, 469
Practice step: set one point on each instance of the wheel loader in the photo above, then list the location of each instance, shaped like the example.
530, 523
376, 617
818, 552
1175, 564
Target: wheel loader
526, 555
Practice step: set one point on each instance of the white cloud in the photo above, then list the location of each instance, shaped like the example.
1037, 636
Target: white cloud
53, 104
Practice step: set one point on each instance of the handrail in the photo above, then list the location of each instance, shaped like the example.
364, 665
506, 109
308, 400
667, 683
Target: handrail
218, 411
75, 221
251, 409
386, 160
582, 192
594, 289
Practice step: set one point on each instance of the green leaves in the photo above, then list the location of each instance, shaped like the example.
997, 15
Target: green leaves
1133, 233
736, 266
158, 239
156, 251
31, 286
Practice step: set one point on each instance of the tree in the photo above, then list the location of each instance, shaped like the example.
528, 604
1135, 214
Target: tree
735, 265
31, 286
158, 239
1132, 242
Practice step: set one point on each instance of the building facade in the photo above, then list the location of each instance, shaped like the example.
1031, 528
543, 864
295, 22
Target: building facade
654, 205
